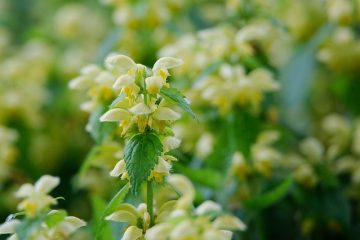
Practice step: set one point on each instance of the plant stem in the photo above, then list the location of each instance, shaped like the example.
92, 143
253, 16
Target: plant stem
149, 202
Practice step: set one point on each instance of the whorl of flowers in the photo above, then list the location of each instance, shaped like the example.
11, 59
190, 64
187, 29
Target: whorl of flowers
36, 208
144, 108
178, 219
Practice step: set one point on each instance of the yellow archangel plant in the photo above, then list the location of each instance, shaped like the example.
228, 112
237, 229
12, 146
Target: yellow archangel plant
145, 107
145, 111
177, 219
40, 222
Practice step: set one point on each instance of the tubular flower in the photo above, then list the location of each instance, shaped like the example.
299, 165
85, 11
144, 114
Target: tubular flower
47, 223
178, 219
36, 196
138, 101
140, 106
233, 87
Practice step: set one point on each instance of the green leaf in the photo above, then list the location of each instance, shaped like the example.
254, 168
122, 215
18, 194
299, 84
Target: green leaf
55, 217
98, 207
141, 156
296, 78
111, 207
204, 176
107, 45
28, 226
210, 69
89, 158
235, 133
269, 198
100, 130
174, 96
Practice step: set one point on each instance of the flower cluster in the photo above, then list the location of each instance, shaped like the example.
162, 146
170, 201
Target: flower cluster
336, 146
138, 87
137, 104
229, 82
232, 86
177, 219
143, 105
263, 157
36, 206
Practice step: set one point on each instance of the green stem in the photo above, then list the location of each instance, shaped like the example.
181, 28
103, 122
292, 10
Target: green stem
149, 202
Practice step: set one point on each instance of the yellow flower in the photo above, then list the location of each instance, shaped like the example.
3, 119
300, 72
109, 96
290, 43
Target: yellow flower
36, 196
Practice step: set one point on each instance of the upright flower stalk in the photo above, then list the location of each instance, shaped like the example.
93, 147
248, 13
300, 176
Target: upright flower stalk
145, 106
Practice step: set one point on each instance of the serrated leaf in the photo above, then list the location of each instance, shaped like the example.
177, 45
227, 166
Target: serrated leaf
174, 96
267, 199
55, 217
141, 156
111, 207
100, 130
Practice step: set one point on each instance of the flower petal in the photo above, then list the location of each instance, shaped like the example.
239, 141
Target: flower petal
228, 222
159, 232
167, 63
115, 115
121, 62
124, 80
70, 225
184, 230
162, 166
90, 70
170, 143
208, 206
182, 185
9, 226
140, 109
123, 216
154, 84
46, 183
118, 169
164, 113
213, 234
132, 233
25, 190
80, 82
